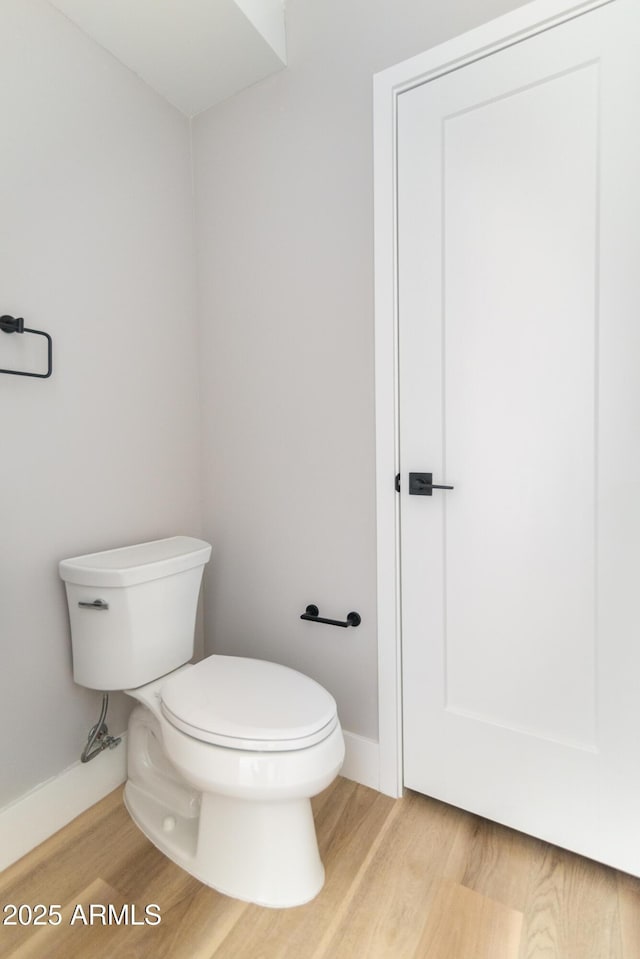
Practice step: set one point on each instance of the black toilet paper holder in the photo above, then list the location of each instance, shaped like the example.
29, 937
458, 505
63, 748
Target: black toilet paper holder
311, 614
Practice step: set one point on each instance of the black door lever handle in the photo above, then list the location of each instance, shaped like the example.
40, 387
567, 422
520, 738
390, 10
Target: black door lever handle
421, 484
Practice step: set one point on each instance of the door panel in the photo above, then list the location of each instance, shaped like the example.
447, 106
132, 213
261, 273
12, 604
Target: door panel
519, 388
516, 341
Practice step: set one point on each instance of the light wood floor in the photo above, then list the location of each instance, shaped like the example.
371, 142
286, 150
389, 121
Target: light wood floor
406, 879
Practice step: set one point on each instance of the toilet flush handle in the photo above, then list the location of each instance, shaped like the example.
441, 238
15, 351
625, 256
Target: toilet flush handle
96, 604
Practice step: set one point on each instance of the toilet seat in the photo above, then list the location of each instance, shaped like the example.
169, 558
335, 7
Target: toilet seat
248, 704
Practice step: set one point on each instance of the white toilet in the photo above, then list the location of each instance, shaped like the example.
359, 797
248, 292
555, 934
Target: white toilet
223, 756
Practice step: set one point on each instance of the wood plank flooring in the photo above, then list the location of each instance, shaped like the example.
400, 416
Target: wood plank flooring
406, 879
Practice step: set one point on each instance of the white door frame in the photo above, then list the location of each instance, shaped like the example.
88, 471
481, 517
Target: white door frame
532, 18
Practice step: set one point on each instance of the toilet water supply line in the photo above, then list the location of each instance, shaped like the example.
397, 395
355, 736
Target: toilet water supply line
99, 734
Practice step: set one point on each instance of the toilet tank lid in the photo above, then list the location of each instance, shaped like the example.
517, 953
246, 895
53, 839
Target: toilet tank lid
130, 565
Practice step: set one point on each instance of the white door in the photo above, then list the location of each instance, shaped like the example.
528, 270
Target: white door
519, 318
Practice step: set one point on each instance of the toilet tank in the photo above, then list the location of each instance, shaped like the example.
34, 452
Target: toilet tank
133, 610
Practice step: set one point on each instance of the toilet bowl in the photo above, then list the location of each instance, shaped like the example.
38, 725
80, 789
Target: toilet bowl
223, 756
232, 805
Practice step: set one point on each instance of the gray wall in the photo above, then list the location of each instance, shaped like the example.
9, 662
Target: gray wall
96, 247
284, 203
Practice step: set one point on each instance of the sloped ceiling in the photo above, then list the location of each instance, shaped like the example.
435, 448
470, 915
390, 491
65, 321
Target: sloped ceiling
195, 53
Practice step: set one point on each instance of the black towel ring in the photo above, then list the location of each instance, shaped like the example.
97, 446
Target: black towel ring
15, 324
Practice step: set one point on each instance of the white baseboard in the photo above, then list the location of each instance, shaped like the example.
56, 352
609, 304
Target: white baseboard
362, 760
32, 818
